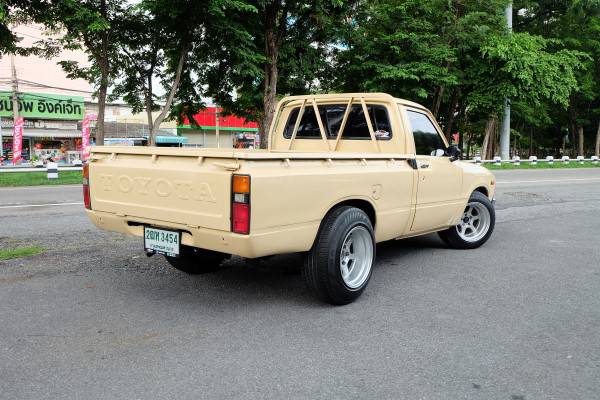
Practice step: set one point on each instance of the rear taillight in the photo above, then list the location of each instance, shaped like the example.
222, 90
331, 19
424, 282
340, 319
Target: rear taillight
240, 204
86, 186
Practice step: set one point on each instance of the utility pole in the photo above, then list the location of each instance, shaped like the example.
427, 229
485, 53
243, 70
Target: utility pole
217, 126
505, 130
15, 89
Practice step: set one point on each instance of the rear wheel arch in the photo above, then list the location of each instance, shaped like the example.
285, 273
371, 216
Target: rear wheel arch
364, 205
338, 267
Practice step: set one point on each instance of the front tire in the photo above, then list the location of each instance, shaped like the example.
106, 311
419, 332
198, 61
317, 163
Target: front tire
338, 267
197, 261
476, 224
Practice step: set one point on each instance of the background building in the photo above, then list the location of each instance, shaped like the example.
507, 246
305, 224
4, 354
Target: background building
54, 105
214, 130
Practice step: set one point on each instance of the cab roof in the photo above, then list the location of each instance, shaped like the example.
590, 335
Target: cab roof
346, 96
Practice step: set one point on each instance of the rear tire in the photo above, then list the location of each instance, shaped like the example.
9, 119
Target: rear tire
197, 261
338, 267
476, 224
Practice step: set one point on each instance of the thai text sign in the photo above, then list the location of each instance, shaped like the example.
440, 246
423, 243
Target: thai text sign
17, 140
40, 105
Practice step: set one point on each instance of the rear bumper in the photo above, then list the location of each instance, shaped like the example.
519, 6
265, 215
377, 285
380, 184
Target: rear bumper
288, 239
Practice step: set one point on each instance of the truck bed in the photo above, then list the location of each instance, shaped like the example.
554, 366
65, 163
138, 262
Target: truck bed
190, 190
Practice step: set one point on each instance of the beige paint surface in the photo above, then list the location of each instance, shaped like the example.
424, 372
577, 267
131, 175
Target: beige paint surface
291, 190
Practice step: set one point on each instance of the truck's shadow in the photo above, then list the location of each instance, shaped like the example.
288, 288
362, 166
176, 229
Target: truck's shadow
276, 278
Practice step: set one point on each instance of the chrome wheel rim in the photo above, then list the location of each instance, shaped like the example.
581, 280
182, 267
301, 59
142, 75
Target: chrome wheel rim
474, 223
356, 257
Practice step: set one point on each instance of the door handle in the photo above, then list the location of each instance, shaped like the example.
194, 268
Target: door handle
424, 165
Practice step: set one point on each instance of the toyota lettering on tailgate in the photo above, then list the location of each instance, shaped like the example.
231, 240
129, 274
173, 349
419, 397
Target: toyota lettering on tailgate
183, 190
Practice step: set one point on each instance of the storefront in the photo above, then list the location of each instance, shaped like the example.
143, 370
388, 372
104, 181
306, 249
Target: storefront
51, 130
213, 130
161, 141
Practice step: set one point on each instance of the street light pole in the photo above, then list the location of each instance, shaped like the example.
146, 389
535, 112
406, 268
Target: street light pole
505, 130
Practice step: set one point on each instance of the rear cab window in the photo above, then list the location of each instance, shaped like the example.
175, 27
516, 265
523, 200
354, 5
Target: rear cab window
332, 115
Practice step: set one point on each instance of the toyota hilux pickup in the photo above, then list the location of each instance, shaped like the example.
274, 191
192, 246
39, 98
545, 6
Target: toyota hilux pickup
341, 173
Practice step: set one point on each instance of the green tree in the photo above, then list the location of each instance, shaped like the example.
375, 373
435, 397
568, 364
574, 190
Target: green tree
292, 45
456, 56
89, 25
573, 25
156, 45
420, 50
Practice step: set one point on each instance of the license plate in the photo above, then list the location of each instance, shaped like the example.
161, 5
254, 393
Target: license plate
162, 241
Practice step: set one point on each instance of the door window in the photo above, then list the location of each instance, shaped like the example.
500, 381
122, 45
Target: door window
427, 138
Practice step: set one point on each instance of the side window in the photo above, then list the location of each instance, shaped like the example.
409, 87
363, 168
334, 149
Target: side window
332, 116
427, 138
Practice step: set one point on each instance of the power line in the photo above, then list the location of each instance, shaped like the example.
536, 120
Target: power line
42, 85
52, 87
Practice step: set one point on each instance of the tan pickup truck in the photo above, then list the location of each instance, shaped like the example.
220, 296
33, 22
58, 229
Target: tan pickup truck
341, 173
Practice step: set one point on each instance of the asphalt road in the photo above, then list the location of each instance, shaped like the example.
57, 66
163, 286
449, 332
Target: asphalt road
93, 318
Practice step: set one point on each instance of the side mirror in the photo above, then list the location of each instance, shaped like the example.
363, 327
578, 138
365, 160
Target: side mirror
438, 153
453, 152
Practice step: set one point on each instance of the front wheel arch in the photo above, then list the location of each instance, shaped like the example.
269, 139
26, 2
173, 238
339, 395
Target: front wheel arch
483, 190
455, 238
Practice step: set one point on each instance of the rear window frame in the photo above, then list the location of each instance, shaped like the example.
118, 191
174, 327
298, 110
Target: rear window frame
287, 133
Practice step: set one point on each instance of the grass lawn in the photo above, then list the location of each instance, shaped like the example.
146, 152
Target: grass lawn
38, 178
543, 165
18, 252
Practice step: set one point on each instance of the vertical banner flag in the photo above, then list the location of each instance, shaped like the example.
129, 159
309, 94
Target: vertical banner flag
18, 139
85, 136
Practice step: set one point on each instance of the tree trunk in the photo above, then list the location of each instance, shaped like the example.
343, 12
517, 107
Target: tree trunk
488, 138
270, 87
148, 101
102, 89
581, 151
451, 114
469, 146
269, 102
437, 100
598, 140
275, 25
169, 101
103, 63
530, 141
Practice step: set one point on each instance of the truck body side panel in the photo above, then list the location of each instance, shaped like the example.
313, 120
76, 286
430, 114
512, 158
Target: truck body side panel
304, 191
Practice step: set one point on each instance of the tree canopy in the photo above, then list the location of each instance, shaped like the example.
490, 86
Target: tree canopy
457, 57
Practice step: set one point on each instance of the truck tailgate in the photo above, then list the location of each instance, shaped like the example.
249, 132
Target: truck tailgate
192, 191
